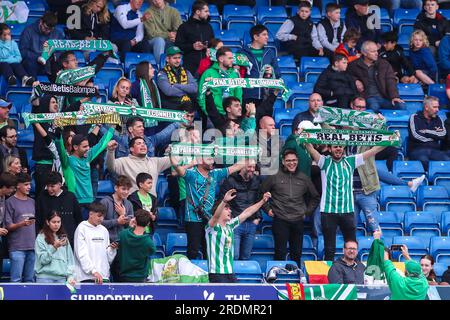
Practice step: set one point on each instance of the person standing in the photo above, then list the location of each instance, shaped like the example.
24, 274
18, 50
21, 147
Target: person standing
337, 203
8, 184
293, 197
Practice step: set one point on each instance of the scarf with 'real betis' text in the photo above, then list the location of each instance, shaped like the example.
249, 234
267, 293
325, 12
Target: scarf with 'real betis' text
74, 45
64, 90
248, 83
350, 137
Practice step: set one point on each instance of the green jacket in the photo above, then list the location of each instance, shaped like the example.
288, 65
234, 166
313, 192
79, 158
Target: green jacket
53, 263
134, 255
304, 159
218, 93
405, 288
161, 22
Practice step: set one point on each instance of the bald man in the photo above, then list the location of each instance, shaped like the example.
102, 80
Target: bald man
271, 143
375, 79
314, 103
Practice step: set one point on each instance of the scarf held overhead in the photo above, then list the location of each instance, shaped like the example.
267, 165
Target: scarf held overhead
211, 150
349, 118
239, 59
350, 137
73, 76
248, 83
111, 118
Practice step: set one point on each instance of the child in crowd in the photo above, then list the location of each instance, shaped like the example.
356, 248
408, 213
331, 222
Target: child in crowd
393, 53
143, 199
20, 222
54, 257
206, 62
432, 23
299, 34
330, 29
348, 47
422, 58
335, 85
10, 59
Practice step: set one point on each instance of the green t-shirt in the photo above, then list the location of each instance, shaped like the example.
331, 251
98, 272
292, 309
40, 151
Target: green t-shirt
146, 201
258, 53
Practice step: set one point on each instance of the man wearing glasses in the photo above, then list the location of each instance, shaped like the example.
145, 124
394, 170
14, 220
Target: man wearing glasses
8, 146
348, 269
33, 39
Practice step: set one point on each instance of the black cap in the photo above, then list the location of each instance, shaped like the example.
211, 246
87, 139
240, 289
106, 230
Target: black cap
361, 2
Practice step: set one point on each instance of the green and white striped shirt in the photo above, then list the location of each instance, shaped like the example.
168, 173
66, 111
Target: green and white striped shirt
337, 183
220, 247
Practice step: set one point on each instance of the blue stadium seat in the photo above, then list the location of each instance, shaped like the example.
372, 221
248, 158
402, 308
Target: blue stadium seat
6, 267
438, 90
202, 264
397, 198
282, 278
408, 169
230, 38
162, 190
301, 91
316, 16
445, 223
433, 198
404, 17
160, 251
308, 250
36, 7
25, 138
300, 105
364, 244
263, 248
312, 65
16, 30
266, 223
183, 8
440, 249
283, 120
339, 247
287, 64
417, 246
396, 118
18, 96
177, 244
247, 271
239, 15
413, 106
422, 223
214, 13
385, 20
410, 92
403, 41
241, 29
105, 188
271, 14
133, 58
438, 170
167, 217
279, 104
107, 74
439, 268
289, 77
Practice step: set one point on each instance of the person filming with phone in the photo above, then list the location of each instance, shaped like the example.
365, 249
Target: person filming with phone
54, 257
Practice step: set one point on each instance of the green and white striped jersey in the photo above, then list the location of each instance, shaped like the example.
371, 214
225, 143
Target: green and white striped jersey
220, 247
337, 183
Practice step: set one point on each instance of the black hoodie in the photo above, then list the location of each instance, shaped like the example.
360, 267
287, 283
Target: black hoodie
188, 33
66, 204
40, 149
433, 28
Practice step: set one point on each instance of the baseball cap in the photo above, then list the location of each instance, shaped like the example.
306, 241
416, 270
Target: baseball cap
5, 104
173, 50
362, 2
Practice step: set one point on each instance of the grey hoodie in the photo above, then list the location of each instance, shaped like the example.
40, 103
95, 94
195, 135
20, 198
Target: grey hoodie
342, 273
110, 221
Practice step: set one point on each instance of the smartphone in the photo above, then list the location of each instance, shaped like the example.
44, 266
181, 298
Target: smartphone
63, 237
31, 218
396, 247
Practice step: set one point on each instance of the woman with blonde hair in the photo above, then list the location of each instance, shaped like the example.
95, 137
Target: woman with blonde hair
12, 165
121, 93
95, 20
422, 58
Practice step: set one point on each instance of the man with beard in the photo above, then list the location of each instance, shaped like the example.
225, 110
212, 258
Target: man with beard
293, 197
136, 162
201, 181
193, 36
8, 146
314, 103
337, 205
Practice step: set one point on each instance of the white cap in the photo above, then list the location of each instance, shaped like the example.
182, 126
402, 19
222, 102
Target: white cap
306, 124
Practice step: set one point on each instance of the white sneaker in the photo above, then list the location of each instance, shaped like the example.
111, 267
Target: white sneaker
416, 183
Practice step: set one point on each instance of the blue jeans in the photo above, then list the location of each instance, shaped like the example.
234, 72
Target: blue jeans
244, 235
389, 178
406, 4
158, 46
368, 204
317, 226
426, 154
46, 280
377, 103
22, 265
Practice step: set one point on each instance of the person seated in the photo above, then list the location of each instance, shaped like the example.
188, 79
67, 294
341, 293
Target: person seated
432, 23
422, 58
335, 85
348, 269
121, 93
348, 45
393, 53
444, 55
298, 34
331, 30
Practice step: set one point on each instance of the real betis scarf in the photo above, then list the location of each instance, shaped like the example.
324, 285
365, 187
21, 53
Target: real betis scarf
248, 83
350, 137
239, 59
212, 150
74, 76
111, 118
297, 291
375, 263
349, 118
64, 90
176, 269
73, 45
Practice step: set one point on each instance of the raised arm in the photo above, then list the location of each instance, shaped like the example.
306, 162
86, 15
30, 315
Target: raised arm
313, 152
372, 152
236, 167
181, 170
254, 208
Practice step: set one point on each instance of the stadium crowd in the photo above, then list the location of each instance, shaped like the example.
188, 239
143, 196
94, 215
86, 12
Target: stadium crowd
67, 231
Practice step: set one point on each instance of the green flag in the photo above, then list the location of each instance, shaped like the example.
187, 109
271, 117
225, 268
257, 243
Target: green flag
176, 269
